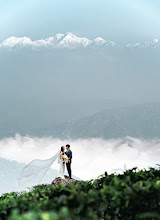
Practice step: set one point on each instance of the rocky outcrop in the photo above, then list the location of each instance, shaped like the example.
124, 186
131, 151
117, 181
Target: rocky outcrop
59, 180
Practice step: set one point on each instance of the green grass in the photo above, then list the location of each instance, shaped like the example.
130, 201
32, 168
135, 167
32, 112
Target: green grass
132, 195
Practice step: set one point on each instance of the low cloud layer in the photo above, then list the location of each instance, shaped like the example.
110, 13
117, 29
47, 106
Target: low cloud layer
91, 157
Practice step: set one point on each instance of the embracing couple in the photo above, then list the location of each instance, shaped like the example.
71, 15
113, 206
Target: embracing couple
65, 160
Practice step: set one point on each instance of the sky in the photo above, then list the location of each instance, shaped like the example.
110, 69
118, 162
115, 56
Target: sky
122, 21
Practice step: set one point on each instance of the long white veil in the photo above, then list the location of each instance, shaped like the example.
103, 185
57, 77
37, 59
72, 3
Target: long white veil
33, 172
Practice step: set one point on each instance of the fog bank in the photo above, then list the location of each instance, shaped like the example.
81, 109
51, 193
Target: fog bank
91, 157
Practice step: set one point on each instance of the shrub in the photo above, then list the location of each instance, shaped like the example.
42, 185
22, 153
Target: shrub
131, 195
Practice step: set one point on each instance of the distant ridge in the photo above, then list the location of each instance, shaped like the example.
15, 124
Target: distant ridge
139, 121
71, 41
67, 40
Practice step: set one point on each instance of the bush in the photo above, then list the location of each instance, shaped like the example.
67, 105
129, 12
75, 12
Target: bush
132, 195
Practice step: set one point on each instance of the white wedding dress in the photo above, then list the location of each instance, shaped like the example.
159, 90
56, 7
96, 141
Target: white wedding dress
62, 169
33, 173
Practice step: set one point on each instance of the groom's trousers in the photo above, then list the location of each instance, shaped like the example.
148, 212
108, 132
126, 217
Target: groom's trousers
69, 169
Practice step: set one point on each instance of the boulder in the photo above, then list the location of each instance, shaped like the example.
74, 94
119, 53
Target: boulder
59, 180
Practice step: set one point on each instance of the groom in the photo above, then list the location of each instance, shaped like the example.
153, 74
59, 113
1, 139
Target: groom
69, 155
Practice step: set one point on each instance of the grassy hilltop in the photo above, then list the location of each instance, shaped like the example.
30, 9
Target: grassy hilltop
132, 195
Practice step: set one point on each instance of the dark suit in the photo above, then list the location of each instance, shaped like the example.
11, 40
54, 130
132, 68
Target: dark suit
69, 155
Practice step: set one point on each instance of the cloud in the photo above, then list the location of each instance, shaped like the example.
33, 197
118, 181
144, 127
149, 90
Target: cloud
91, 157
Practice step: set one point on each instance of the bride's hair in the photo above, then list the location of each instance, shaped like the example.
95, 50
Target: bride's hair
62, 149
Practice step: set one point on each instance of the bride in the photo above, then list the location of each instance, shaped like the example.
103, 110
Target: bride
33, 172
63, 161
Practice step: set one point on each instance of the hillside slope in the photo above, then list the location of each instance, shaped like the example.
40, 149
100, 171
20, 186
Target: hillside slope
139, 121
129, 196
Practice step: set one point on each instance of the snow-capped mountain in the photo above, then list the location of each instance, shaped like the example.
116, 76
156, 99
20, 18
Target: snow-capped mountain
67, 40
101, 42
71, 41
153, 44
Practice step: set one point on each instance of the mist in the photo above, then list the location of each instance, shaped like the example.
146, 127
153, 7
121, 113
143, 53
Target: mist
91, 157
45, 87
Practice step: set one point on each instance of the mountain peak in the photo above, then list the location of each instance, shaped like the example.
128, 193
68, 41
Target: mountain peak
16, 41
99, 41
155, 41
59, 36
70, 40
